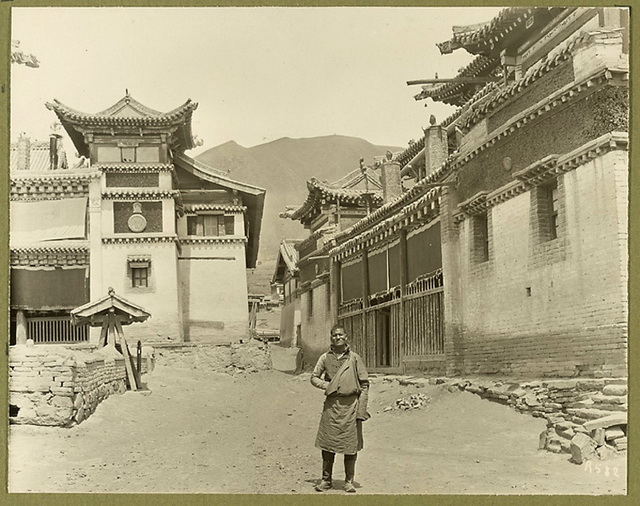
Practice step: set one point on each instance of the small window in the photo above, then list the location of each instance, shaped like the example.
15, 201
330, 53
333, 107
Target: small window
552, 196
210, 225
328, 288
548, 208
139, 277
480, 242
128, 154
310, 304
229, 225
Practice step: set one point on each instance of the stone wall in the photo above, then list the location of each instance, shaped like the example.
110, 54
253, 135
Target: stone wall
585, 417
57, 385
237, 358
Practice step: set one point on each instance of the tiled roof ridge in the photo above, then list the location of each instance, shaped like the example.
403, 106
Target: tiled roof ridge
416, 192
211, 171
477, 67
534, 72
510, 16
33, 145
65, 111
316, 184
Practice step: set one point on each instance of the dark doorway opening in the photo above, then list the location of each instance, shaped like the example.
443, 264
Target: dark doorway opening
383, 335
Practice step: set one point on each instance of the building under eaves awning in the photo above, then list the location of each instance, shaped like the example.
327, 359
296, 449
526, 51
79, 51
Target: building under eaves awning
252, 198
47, 220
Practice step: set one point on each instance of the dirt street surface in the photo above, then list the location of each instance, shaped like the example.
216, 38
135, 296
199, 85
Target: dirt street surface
204, 432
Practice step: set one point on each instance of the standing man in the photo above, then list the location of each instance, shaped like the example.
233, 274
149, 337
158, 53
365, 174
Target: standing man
341, 373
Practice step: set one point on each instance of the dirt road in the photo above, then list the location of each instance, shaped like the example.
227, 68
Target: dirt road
203, 432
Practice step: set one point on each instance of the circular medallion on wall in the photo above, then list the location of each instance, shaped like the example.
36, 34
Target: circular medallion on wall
507, 163
137, 223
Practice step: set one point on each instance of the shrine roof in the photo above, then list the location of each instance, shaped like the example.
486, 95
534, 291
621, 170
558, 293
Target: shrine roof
93, 312
321, 190
127, 110
126, 114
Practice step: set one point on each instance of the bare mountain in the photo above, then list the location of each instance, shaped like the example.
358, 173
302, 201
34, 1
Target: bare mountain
283, 167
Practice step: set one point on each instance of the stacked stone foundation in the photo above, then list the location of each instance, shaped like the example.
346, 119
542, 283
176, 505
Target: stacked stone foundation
586, 417
59, 386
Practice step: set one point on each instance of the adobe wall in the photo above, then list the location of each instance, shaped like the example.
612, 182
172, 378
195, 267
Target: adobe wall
213, 291
555, 308
54, 385
160, 298
287, 324
315, 331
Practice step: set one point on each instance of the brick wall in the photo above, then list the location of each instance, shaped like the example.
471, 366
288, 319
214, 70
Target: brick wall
54, 385
555, 307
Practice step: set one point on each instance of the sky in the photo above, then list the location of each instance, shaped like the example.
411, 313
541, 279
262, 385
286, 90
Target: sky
258, 74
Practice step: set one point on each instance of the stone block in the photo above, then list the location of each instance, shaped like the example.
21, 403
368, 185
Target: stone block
531, 400
542, 441
605, 452
554, 447
566, 433
62, 391
582, 448
607, 421
590, 384
612, 407
620, 443
561, 384
614, 389
589, 413
613, 433
63, 402
609, 399
598, 435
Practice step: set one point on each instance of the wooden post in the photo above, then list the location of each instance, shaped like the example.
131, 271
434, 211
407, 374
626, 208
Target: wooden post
21, 328
127, 357
365, 303
403, 289
103, 333
334, 281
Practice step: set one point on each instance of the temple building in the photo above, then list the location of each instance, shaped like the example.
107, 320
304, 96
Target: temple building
328, 209
135, 214
505, 250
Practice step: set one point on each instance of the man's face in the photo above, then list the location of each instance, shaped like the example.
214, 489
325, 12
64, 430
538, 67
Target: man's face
338, 337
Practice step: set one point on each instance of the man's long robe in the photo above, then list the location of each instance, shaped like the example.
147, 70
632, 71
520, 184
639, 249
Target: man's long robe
345, 380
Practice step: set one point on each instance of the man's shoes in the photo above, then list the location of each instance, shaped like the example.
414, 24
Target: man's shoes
349, 486
323, 486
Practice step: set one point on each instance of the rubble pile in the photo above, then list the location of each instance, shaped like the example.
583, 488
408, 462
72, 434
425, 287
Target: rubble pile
236, 358
414, 401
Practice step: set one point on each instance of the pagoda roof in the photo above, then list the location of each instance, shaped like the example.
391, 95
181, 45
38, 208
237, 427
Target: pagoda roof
94, 312
510, 26
125, 113
457, 93
321, 191
287, 258
252, 197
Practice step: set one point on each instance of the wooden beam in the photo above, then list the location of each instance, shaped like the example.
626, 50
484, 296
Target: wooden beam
127, 358
461, 80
